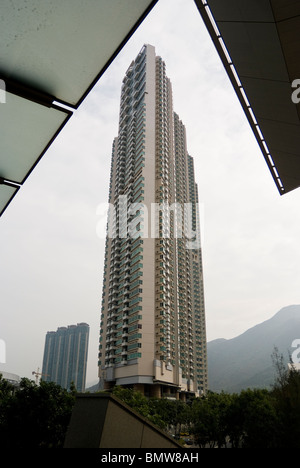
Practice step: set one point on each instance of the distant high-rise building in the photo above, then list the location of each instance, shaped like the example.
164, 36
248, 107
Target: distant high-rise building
65, 356
153, 334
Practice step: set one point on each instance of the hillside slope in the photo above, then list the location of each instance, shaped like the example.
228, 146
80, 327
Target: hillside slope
246, 360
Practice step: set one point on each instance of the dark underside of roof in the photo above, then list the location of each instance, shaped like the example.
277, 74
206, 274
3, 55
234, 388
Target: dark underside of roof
259, 44
52, 53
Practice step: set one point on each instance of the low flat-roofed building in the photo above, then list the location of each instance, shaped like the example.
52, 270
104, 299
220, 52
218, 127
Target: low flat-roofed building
13, 379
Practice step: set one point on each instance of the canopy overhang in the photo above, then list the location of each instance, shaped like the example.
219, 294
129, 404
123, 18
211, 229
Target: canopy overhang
258, 42
52, 54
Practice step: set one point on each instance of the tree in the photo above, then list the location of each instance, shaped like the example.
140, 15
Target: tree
260, 420
235, 422
162, 412
132, 398
35, 416
209, 420
6, 389
150, 409
286, 393
247, 420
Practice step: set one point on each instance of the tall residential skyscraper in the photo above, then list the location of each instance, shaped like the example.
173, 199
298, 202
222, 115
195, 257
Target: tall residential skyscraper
65, 356
152, 335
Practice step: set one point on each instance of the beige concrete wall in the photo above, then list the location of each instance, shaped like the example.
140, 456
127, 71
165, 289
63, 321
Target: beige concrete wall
148, 295
164, 373
102, 421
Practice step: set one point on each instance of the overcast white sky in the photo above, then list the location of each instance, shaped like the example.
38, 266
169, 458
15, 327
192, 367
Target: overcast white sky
51, 257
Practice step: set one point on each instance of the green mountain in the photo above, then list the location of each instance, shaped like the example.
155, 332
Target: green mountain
246, 360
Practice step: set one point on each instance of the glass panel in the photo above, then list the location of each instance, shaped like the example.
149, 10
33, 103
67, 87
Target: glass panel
26, 130
6, 195
60, 47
